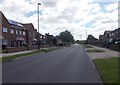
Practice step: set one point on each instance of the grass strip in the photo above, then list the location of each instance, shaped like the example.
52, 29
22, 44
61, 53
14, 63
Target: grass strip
108, 69
87, 46
95, 50
8, 58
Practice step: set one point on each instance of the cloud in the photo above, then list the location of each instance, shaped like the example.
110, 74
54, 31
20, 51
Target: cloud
77, 16
112, 7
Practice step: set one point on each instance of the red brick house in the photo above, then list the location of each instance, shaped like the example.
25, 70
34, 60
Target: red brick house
0, 30
5, 31
18, 33
31, 36
42, 39
13, 34
114, 36
16, 36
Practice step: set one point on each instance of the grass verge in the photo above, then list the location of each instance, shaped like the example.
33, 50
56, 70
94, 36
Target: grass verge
87, 46
95, 50
108, 70
8, 58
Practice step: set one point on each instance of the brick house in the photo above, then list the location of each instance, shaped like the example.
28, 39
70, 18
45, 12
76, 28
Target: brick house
18, 34
13, 35
42, 40
31, 36
106, 36
114, 36
5, 31
101, 38
49, 39
31, 33
0, 30
114, 40
110, 39
92, 40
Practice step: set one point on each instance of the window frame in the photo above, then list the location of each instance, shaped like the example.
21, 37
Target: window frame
5, 29
12, 31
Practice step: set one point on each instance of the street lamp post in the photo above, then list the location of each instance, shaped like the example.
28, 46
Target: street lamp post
38, 27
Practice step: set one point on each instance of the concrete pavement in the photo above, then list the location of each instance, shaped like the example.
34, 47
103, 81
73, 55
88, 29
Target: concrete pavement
67, 65
21, 52
10, 54
107, 54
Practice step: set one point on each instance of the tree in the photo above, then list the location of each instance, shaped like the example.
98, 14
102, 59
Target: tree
66, 37
54, 40
49, 38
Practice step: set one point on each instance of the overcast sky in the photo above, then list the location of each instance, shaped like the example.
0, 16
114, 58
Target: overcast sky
56, 16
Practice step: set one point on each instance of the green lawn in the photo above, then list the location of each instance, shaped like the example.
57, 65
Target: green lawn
108, 69
95, 50
87, 46
4, 59
2, 51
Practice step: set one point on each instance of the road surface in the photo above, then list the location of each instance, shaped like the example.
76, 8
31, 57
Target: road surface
66, 65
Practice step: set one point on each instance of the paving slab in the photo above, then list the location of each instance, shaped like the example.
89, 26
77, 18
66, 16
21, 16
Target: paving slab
101, 55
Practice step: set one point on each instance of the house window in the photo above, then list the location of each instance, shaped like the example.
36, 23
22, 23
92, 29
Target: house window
4, 41
11, 31
40, 36
20, 32
23, 32
16, 31
5, 29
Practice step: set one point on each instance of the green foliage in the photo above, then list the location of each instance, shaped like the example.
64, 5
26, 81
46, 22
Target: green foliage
66, 37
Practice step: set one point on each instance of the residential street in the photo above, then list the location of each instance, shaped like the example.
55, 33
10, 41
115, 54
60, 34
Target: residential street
66, 65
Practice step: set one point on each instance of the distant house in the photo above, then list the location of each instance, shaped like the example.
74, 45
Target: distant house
106, 36
49, 39
114, 36
41, 39
101, 38
92, 40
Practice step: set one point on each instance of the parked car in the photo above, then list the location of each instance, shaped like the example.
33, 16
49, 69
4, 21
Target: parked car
117, 42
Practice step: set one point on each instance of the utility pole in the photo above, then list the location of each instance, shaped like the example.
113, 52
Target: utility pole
38, 27
86, 36
81, 37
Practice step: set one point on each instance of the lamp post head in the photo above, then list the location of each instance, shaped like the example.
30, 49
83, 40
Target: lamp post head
39, 3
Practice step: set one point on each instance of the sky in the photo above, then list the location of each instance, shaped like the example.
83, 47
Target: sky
80, 17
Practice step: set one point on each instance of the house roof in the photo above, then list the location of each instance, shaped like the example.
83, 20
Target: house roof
15, 23
101, 36
28, 25
107, 32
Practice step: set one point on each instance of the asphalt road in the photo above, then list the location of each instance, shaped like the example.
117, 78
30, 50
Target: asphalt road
67, 65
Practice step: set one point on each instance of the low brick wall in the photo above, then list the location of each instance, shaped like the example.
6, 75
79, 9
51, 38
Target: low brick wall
32, 47
115, 47
15, 49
